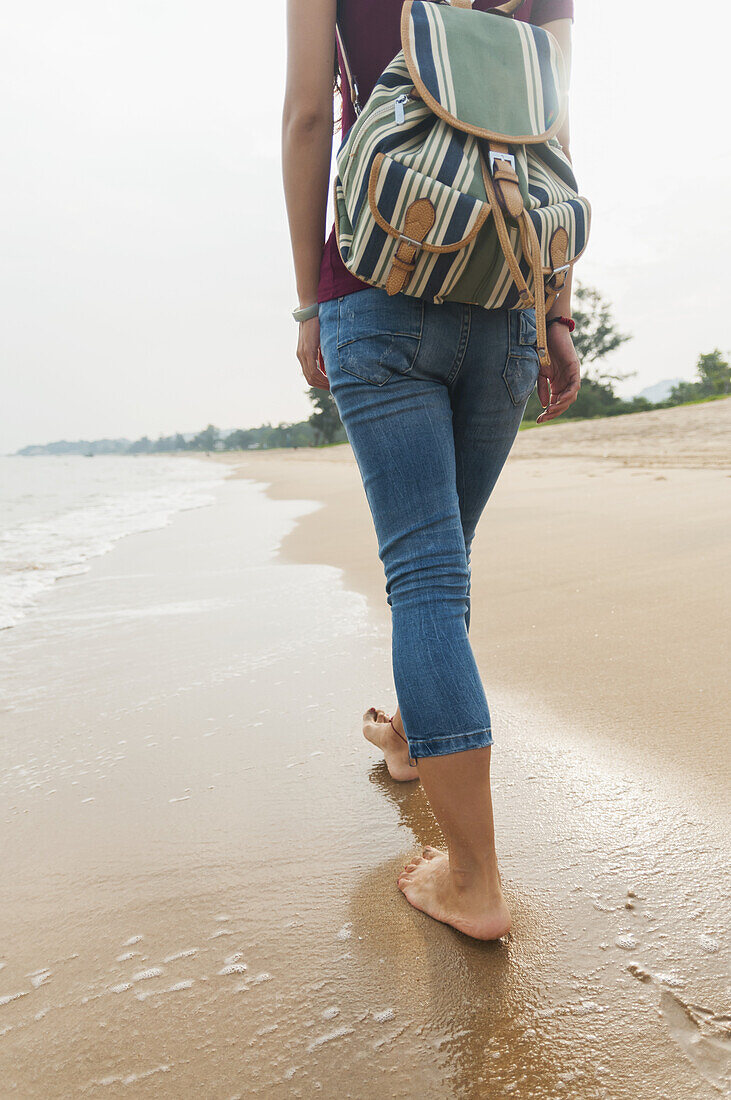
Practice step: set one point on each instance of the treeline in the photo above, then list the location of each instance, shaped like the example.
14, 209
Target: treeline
301, 434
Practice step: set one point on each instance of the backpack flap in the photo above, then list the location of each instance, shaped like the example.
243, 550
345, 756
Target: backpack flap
493, 77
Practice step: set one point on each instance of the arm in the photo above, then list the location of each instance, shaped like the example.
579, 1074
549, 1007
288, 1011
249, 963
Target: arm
307, 133
560, 385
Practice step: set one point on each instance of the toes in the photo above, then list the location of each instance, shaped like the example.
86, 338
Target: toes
430, 853
375, 714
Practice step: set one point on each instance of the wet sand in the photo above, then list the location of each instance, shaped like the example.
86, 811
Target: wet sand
200, 851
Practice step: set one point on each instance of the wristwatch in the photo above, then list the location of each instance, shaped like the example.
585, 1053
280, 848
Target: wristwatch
306, 313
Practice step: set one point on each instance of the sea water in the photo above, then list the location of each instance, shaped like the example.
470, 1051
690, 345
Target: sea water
58, 512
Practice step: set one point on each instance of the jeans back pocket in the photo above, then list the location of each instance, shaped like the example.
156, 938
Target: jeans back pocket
523, 365
378, 333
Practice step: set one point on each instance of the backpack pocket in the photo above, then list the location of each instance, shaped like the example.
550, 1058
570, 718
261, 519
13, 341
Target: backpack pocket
405, 205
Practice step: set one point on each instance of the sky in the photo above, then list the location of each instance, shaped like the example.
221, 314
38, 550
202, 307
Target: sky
146, 277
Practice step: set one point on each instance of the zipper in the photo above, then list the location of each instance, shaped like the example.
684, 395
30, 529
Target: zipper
397, 106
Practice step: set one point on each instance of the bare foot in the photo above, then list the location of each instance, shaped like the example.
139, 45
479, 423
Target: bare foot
469, 904
377, 729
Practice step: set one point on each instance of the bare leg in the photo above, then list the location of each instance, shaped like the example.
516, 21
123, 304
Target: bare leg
460, 887
377, 729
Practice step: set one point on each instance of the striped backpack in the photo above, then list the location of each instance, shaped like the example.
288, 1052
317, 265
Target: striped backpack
451, 184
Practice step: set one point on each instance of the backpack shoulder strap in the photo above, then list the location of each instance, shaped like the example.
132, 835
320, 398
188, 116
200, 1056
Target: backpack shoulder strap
503, 9
352, 82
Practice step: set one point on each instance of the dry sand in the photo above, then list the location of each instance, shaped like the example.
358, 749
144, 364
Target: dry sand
184, 765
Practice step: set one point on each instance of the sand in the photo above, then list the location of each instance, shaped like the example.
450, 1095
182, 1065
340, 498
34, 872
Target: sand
183, 763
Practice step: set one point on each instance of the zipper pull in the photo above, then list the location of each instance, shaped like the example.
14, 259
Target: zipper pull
399, 108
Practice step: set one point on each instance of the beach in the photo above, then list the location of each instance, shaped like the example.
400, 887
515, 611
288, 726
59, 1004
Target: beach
200, 850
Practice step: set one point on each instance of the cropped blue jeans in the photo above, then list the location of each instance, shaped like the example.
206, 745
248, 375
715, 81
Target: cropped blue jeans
431, 397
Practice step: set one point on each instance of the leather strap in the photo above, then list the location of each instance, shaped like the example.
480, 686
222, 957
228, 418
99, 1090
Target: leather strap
504, 238
507, 9
558, 251
534, 258
503, 9
556, 280
501, 165
419, 219
352, 82
532, 252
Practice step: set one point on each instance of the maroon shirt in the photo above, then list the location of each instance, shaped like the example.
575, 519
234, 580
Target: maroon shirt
371, 30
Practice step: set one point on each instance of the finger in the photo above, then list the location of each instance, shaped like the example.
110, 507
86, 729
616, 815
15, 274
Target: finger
318, 382
314, 375
564, 397
318, 364
555, 407
544, 389
552, 412
571, 387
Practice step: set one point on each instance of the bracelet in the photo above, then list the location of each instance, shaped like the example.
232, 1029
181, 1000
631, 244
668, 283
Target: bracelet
568, 321
306, 313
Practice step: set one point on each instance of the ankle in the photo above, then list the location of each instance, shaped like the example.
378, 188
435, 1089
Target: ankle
472, 873
398, 725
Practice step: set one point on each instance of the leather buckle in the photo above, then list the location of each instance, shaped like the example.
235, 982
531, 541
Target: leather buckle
403, 237
493, 156
557, 271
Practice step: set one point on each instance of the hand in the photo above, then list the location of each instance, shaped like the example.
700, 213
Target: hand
558, 384
309, 355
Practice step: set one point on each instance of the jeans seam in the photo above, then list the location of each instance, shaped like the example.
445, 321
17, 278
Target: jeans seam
464, 337
448, 736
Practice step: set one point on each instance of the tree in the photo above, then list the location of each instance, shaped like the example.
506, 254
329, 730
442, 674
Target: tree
595, 336
206, 440
715, 372
715, 379
141, 446
325, 420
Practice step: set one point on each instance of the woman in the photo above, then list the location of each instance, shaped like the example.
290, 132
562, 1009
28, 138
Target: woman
431, 396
